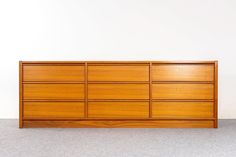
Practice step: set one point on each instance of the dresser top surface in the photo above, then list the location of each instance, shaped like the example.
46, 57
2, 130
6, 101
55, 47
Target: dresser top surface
114, 62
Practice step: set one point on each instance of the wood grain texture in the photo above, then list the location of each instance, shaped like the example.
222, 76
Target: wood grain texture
118, 94
53, 109
53, 91
216, 94
122, 62
118, 110
118, 91
150, 89
53, 73
183, 109
183, 72
86, 90
121, 124
183, 91
118, 73
20, 95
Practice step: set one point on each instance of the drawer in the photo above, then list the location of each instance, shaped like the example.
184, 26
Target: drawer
53, 110
183, 91
53, 73
183, 72
182, 109
53, 91
118, 109
118, 91
118, 73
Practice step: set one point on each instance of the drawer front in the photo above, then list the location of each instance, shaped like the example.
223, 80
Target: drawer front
53, 73
118, 91
118, 73
53, 91
53, 110
118, 109
182, 109
183, 72
183, 91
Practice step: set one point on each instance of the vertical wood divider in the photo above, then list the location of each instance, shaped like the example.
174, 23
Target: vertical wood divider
216, 94
20, 95
150, 90
86, 89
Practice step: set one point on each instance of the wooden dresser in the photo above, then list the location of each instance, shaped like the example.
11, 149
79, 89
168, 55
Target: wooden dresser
179, 94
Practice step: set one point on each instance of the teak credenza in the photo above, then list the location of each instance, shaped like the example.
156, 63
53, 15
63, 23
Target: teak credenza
118, 94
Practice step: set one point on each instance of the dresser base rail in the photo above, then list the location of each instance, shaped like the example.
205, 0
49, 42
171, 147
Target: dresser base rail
120, 124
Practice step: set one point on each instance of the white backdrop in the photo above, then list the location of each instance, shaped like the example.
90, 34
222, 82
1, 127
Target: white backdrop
117, 30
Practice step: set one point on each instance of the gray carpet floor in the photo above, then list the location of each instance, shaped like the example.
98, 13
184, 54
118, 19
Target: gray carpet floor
84, 142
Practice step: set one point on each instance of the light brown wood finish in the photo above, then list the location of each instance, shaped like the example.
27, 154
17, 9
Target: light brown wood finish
118, 91
20, 95
53, 72
86, 90
183, 72
216, 94
118, 94
118, 73
39, 110
118, 110
53, 91
183, 91
150, 89
121, 124
183, 110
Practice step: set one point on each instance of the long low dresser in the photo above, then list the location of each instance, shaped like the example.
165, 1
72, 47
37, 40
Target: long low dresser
118, 94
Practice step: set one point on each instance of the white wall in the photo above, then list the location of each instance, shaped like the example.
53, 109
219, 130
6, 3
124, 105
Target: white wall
117, 30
